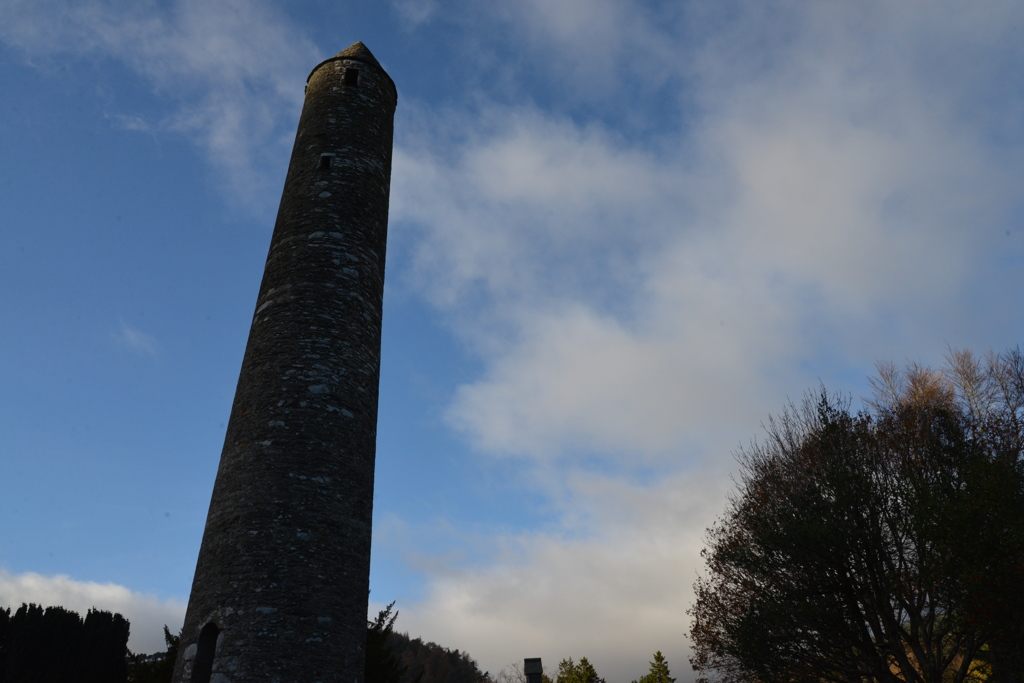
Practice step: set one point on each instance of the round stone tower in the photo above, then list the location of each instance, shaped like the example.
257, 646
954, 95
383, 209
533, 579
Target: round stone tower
282, 581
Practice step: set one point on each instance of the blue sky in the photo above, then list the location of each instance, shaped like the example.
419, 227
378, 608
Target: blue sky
622, 234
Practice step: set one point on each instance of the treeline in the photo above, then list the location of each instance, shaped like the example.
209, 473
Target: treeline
56, 645
396, 658
426, 662
156, 668
584, 672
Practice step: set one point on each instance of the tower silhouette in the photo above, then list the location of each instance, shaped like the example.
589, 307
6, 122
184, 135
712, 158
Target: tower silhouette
282, 580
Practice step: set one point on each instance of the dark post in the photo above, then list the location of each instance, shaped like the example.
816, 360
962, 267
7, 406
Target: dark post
282, 580
533, 669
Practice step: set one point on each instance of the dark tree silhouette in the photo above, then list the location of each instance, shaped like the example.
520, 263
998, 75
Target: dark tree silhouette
878, 546
581, 672
395, 658
103, 648
55, 645
158, 668
659, 672
432, 663
5, 630
382, 666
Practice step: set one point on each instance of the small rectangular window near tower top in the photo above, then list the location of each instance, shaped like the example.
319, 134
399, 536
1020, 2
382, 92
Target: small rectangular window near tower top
326, 161
351, 77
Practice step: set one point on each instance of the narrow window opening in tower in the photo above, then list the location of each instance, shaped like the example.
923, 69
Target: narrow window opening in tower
326, 161
352, 77
202, 666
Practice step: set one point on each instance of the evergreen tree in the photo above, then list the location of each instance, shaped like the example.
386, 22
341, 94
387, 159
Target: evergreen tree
103, 648
55, 646
659, 672
143, 669
173, 643
5, 633
382, 666
432, 663
582, 672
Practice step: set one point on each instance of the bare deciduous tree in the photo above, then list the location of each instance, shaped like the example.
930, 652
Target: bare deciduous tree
878, 546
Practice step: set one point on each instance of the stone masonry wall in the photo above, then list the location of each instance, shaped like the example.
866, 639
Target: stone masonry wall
283, 572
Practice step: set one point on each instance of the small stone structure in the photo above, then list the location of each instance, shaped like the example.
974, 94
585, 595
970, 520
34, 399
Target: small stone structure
533, 669
282, 580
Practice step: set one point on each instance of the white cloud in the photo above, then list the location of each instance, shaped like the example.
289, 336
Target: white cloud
130, 122
147, 614
526, 205
831, 195
839, 194
629, 300
233, 70
413, 13
594, 47
136, 340
581, 381
611, 585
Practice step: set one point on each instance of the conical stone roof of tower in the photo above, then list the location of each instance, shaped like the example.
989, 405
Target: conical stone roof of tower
358, 51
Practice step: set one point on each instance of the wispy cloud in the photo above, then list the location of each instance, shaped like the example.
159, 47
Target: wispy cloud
414, 13
232, 71
828, 185
130, 122
839, 191
136, 340
627, 299
146, 613
594, 48
612, 584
